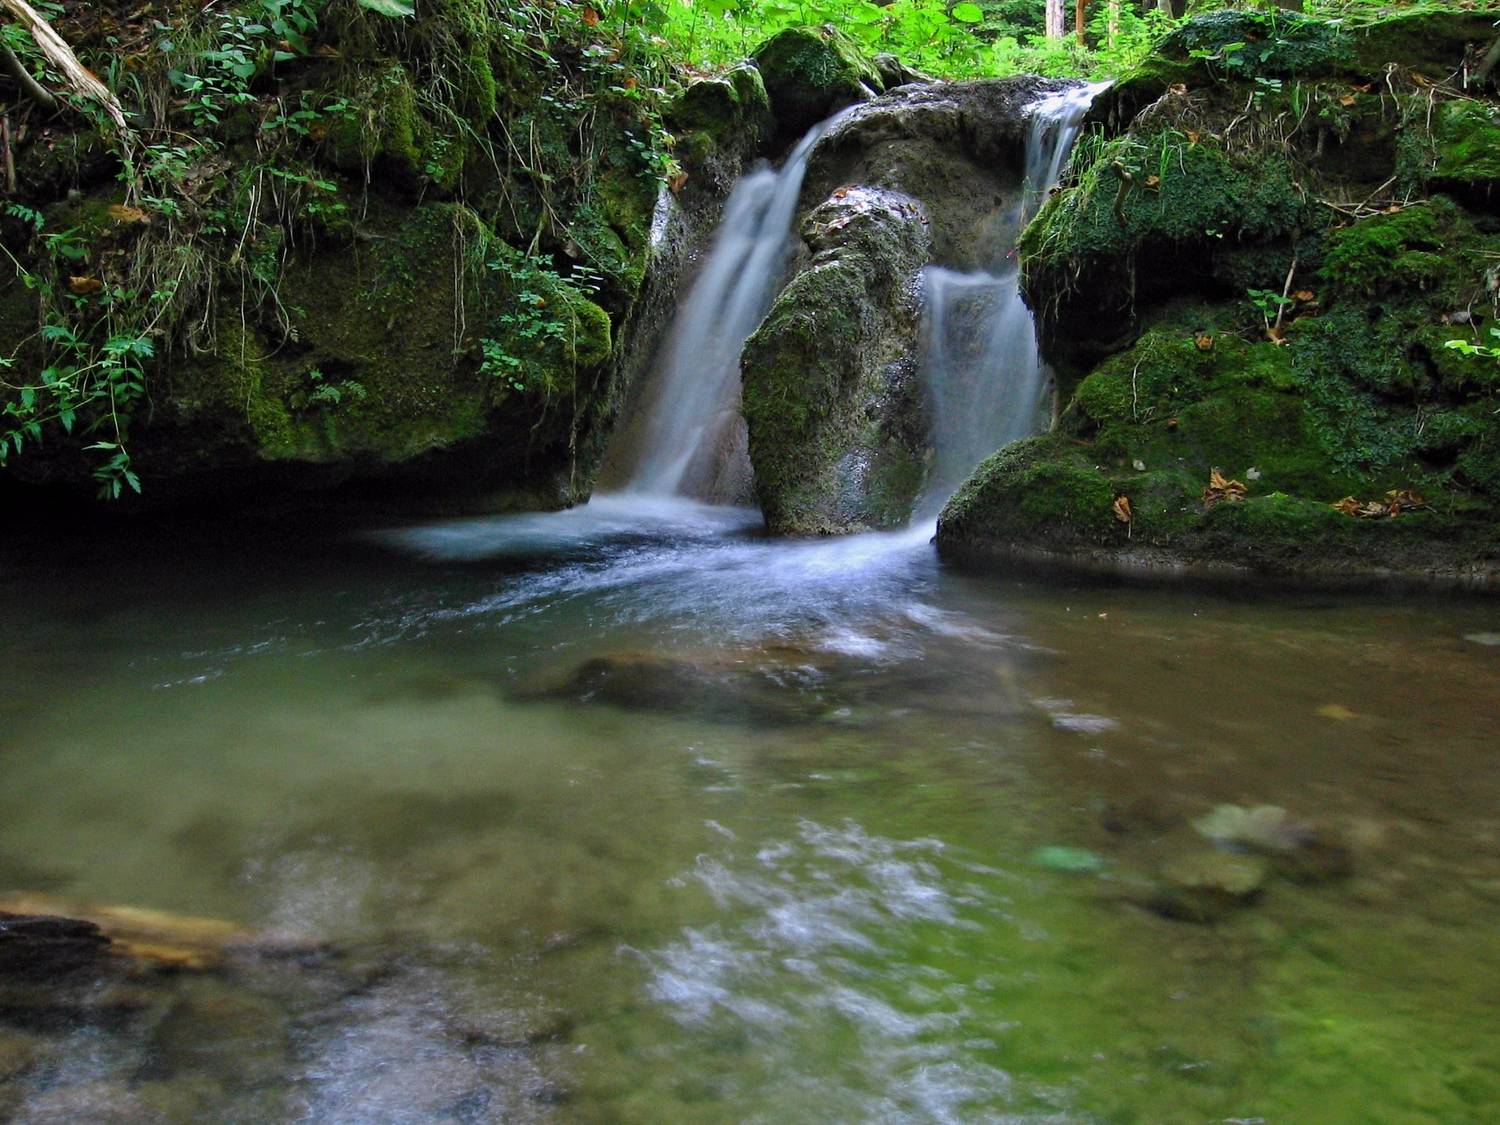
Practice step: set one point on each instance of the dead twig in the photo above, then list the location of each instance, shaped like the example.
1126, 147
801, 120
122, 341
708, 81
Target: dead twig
60, 55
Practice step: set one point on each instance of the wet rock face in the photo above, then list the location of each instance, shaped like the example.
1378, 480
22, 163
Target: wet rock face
47, 948
956, 146
830, 393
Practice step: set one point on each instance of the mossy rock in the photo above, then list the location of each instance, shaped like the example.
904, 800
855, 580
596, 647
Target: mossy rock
811, 72
1099, 250
387, 366
1466, 142
726, 115
1431, 41
1240, 44
1036, 492
830, 395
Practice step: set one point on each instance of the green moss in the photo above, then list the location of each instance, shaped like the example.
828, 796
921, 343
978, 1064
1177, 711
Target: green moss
1092, 252
1466, 138
1429, 40
810, 72
1395, 250
1247, 44
1035, 491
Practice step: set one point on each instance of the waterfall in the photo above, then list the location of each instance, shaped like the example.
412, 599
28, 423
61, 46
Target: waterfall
984, 375
691, 440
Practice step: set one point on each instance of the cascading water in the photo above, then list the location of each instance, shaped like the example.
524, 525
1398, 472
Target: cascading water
691, 439
984, 374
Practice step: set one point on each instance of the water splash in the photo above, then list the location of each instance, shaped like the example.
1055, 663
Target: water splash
984, 374
692, 438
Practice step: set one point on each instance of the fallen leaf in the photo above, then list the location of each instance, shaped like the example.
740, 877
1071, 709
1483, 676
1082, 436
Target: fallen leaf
841, 193
1192, 137
1220, 489
1347, 100
1205, 343
1396, 501
590, 18
1177, 89
1305, 295
677, 182
630, 83
85, 286
1153, 181
124, 213
1336, 711
1122, 509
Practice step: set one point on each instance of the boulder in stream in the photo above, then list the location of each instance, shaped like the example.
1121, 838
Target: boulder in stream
830, 388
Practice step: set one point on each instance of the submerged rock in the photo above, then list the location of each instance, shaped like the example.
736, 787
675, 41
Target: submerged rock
143, 938
710, 686
1206, 886
47, 947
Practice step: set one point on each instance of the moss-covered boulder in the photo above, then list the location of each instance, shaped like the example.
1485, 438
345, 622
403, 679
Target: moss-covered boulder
1155, 213
722, 123
830, 389
811, 72
1221, 48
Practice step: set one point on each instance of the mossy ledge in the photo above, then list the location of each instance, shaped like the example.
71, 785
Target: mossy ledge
1260, 276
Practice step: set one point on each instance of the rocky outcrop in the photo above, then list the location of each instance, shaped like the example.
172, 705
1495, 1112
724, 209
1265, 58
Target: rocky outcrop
830, 387
1250, 296
360, 274
832, 394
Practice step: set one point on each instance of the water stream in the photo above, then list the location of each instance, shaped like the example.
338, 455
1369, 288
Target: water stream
985, 378
634, 815
692, 441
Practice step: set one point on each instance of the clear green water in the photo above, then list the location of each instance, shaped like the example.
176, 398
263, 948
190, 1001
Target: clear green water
783, 870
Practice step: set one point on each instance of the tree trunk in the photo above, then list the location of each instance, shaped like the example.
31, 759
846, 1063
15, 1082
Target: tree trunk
1054, 19
1112, 27
1078, 21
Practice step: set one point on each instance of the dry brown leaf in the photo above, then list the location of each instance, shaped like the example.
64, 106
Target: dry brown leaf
590, 18
1192, 137
1220, 489
1205, 342
85, 286
124, 213
1347, 100
1153, 181
1396, 501
1304, 295
1122, 509
677, 182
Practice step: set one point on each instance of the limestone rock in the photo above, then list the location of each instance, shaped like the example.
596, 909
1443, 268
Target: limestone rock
830, 392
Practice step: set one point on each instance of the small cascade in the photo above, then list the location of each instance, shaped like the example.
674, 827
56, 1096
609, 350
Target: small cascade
691, 438
984, 375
